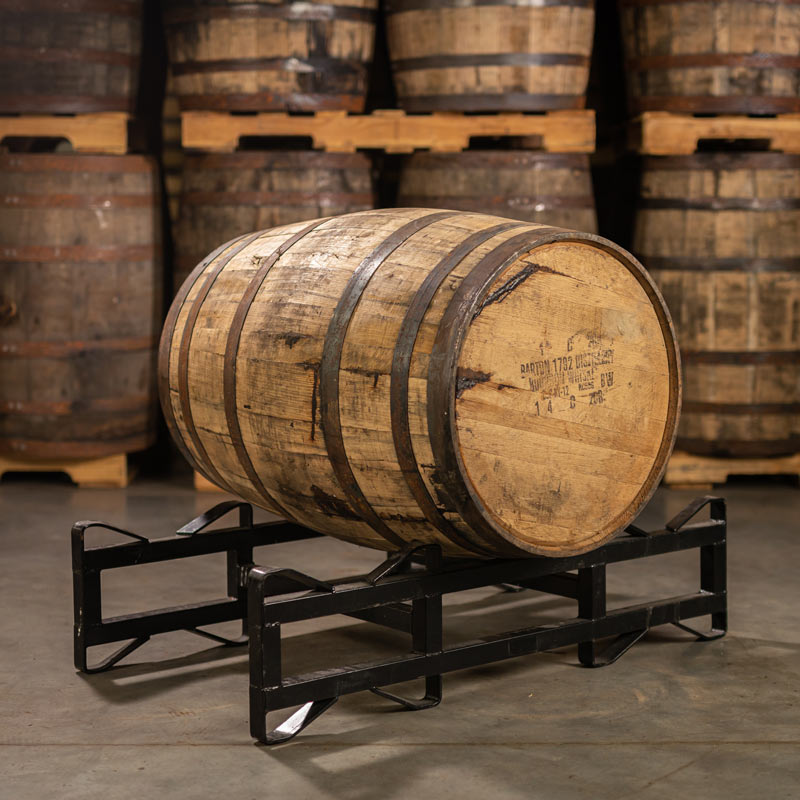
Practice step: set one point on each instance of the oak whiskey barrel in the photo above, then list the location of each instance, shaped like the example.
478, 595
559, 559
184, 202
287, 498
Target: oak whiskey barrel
80, 305
485, 55
266, 56
69, 56
716, 56
495, 386
550, 188
228, 194
721, 235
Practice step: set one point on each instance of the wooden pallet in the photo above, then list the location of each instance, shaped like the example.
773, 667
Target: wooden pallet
89, 473
391, 130
661, 133
686, 471
105, 132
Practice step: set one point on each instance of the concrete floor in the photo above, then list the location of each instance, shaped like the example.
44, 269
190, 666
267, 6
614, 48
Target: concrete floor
673, 718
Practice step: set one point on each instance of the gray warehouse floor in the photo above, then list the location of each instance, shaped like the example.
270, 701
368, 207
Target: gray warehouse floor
673, 718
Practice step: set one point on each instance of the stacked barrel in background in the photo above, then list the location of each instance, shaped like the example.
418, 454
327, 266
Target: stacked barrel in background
264, 56
65, 57
80, 245
475, 56
721, 231
712, 56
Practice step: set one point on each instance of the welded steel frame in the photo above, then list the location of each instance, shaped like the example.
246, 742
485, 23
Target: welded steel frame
88, 563
404, 592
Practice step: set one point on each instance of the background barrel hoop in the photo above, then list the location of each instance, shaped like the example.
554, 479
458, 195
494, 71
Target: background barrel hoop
718, 104
401, 364
721, 161
83, 253
83, 201
740, 448
231, 354
75, 162
292, 11
114, 8
507, 202
400, 6
509, 101
721, 203
642, 3
256, 199
710, 60
331, 363
112, 58
703, 264
741, 357
67, 349
304, 64
472, 60
739, 409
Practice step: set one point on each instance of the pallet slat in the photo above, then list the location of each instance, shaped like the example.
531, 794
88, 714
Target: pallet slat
88, 133
391, 130
110, 472
685, 470
662, 133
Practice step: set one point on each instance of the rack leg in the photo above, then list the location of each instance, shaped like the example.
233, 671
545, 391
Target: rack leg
591, 605
266, 669
427, 638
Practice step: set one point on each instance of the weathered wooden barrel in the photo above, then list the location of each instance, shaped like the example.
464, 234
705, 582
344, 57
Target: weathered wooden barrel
228, 194
266, 56
718, 56
494, 386
80, 304
551, 188
721, 234
69, 56
490, 55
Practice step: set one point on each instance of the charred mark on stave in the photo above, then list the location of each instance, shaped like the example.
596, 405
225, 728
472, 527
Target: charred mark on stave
469, 378
500, 294
332, 506
314, 367
292, 339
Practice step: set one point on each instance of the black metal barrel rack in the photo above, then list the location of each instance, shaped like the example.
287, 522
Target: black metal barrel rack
404, 592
